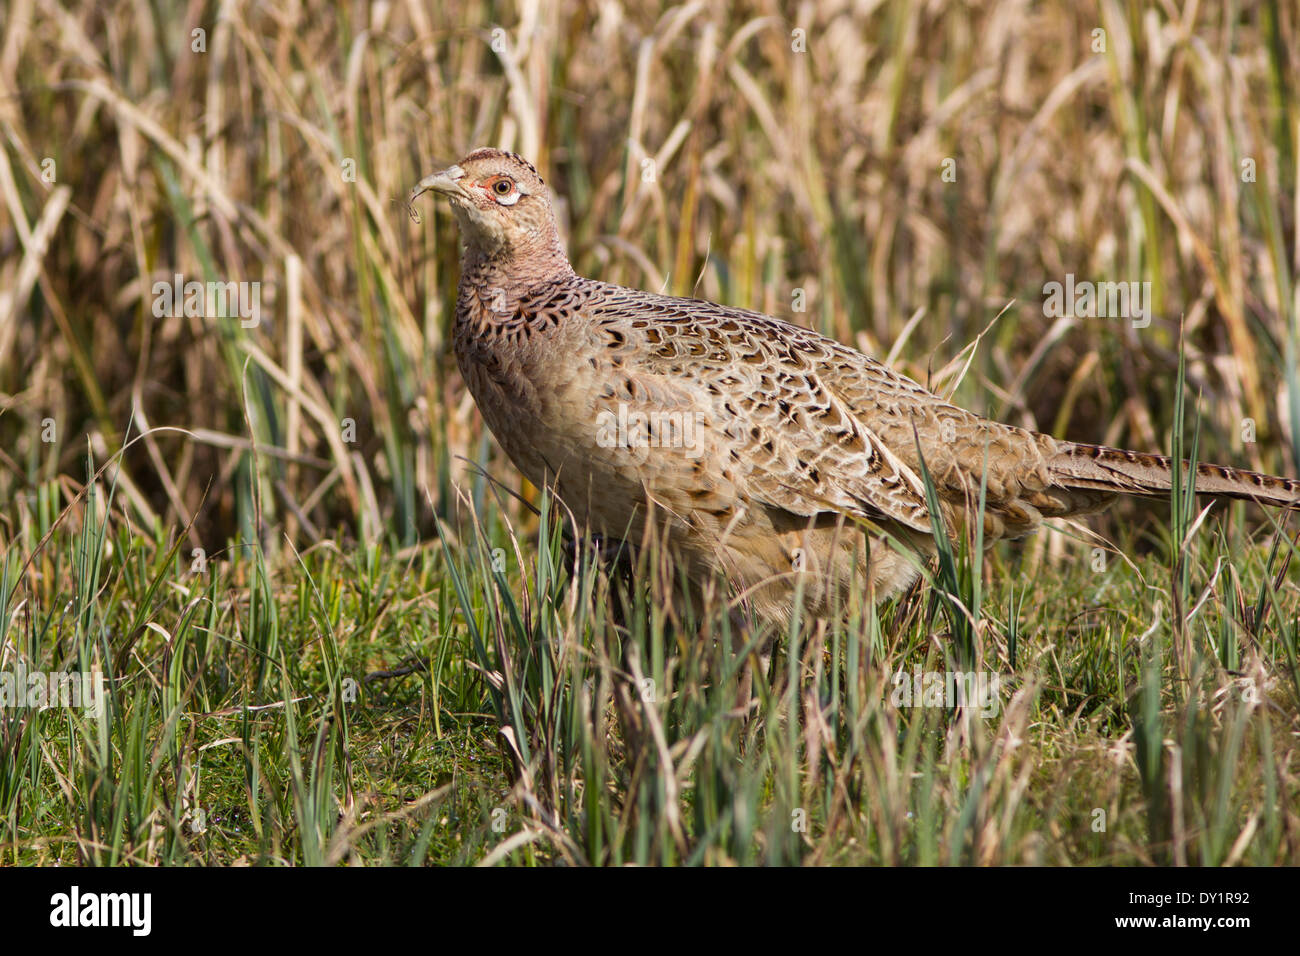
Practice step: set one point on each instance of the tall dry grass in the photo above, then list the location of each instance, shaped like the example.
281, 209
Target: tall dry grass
757, 155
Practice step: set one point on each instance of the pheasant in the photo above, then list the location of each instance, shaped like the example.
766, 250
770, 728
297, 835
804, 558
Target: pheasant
758, 447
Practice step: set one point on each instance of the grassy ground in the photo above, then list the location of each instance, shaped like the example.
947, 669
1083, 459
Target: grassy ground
335, 626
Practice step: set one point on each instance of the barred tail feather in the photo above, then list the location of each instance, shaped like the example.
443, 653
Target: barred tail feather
1134, 473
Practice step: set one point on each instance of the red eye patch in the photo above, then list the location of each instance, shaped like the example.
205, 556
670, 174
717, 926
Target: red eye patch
500, 188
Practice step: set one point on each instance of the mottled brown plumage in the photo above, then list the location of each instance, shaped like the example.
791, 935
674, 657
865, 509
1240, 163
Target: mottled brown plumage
755, 443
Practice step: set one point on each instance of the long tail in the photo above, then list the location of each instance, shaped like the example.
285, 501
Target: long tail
1135, 473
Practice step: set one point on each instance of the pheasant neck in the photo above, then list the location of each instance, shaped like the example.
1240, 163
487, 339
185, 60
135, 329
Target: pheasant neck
518, 268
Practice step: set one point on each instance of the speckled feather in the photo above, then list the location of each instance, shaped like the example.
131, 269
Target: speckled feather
771, 438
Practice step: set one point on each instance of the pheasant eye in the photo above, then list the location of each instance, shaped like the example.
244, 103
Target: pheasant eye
505, 190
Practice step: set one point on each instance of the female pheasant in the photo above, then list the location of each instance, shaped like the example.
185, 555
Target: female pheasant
757, 445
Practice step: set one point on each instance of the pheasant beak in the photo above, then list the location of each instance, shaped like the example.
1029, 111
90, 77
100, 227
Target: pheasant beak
447, 182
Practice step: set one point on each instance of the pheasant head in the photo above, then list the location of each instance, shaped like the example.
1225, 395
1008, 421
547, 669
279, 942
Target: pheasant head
504, 212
